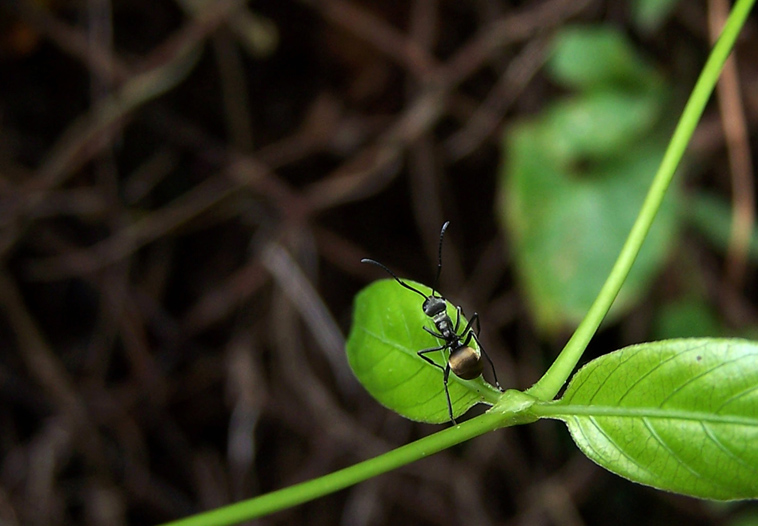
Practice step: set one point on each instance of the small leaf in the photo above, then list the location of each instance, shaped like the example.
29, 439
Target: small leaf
598, 57
686, 318
678, 415
649, 15
567, 224
574, 177
600, 124
386, 334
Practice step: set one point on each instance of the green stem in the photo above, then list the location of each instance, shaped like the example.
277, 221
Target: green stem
555, 377
510, 413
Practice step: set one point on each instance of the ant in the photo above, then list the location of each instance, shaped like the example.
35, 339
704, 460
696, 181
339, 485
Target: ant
464, 361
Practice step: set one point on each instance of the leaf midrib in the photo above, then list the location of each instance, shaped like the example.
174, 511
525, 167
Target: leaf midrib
562, 412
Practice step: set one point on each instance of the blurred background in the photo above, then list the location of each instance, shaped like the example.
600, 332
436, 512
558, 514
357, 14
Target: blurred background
187, 188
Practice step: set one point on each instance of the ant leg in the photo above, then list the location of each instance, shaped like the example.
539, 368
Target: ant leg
473, 335
445, 375
457, 319
468, 329
422, 354
445, 378
475, 319
435, 334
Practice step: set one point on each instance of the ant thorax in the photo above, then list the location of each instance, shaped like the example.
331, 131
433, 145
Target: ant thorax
444, 325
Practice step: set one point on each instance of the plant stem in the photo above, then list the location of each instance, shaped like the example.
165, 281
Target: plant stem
555, 377
306, 491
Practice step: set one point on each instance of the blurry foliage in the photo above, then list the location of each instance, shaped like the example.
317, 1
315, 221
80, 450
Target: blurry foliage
649, 15
686, 318
749, 518
711, 217
575, 175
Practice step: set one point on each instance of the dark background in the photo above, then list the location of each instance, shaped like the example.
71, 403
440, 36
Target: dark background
183, 209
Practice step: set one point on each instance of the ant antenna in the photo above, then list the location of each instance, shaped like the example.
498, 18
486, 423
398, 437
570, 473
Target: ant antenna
374, 262
439, 258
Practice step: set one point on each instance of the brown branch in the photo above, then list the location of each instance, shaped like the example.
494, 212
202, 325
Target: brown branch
45, 367
738, 148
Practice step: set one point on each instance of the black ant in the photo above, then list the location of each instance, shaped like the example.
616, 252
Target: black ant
464, 361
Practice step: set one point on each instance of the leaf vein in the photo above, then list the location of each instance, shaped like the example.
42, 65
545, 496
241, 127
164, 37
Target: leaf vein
672, 454
557, 410
746, 392
644, 376
728, 452
697, 377
620, 449
607, 378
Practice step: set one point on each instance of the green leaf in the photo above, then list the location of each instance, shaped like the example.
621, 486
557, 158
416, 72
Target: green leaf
686, 318
386, 334
712, 217
598, 57
575, 176
747, 518
597, 125
678, 415
649, 15
567, 224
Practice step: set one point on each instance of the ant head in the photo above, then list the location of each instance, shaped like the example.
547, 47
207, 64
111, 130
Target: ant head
434, 305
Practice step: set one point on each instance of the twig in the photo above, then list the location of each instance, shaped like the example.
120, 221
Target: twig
124, 242
738, 149
49, 373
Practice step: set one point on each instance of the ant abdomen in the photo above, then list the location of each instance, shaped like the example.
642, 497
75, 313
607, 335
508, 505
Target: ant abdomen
466, 363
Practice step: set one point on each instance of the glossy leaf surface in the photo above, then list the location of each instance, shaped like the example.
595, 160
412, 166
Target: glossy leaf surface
386, 333
678, 415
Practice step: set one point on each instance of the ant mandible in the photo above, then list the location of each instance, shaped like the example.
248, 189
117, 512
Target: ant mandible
464, 361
